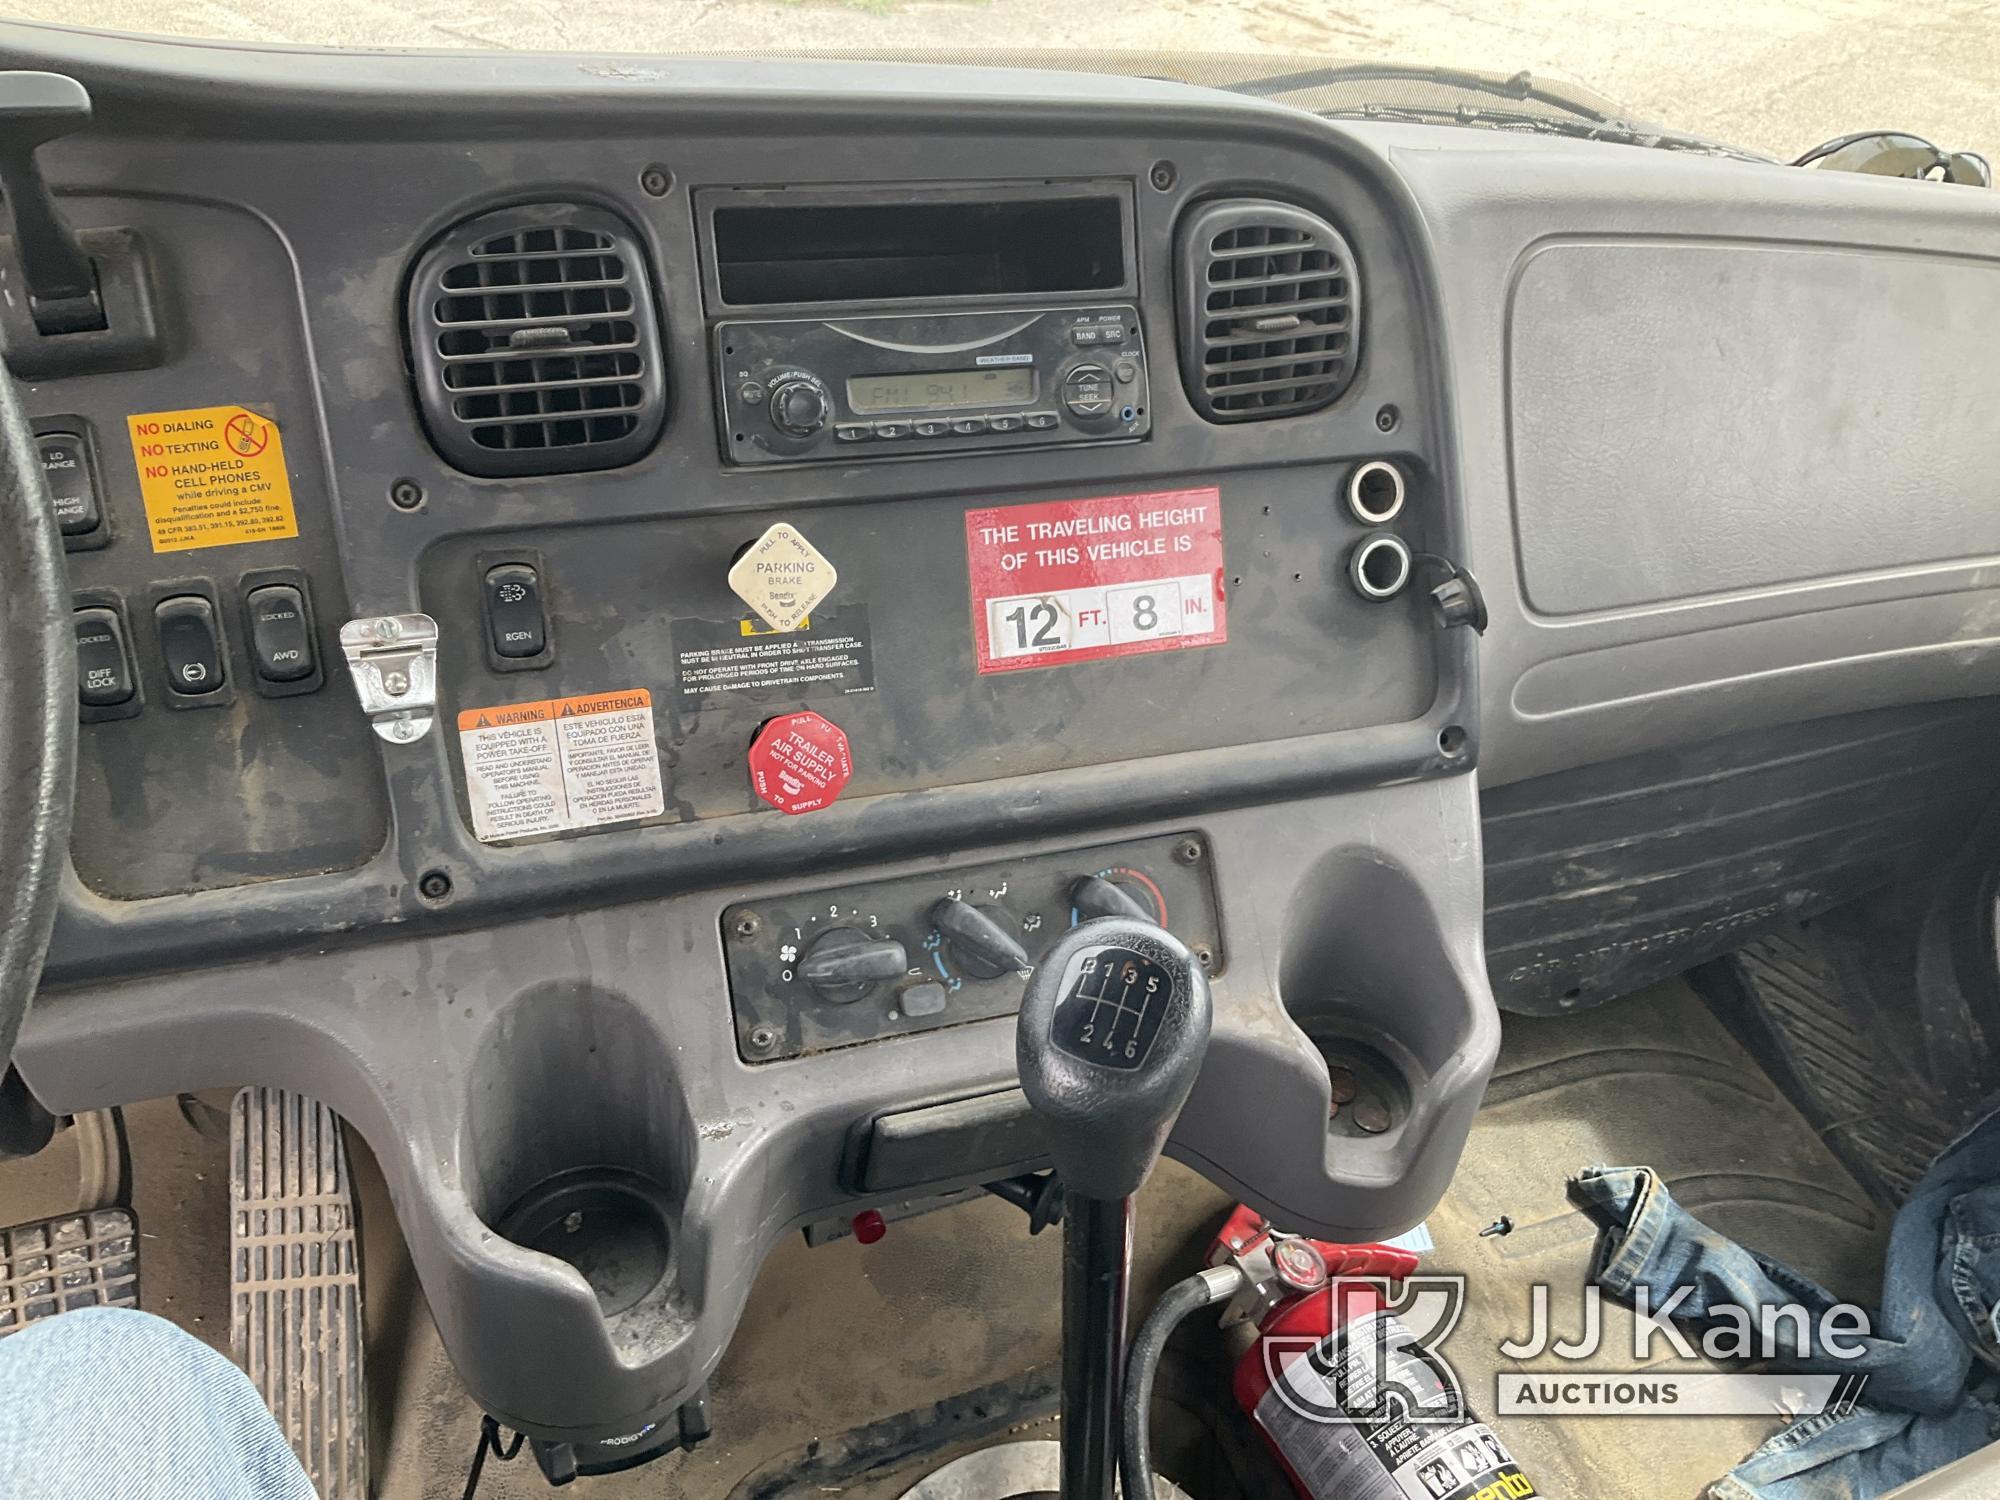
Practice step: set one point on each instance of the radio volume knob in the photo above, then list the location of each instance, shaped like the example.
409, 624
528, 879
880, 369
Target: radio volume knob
799, 406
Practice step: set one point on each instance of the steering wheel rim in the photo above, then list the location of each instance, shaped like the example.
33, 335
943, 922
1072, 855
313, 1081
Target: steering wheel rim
37, 718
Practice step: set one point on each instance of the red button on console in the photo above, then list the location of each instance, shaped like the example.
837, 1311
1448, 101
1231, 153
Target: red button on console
799, 763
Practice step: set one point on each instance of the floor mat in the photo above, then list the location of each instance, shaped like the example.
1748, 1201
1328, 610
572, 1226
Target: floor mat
1652, 1080
1849, 1049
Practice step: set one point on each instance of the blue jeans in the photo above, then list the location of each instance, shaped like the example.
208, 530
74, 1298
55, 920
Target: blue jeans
105, 1402
1932, 1356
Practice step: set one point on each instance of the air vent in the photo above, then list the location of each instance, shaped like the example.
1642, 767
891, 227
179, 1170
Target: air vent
1270, 312
534, 343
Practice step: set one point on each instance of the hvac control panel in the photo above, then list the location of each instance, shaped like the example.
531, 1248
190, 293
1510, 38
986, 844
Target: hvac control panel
841, 966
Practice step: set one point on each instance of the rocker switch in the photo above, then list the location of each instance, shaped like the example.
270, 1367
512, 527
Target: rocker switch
514, 614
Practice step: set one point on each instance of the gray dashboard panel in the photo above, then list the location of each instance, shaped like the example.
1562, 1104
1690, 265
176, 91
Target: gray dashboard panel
1599, 448
1697, 417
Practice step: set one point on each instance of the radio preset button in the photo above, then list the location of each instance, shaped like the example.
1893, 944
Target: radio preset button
892, 429
853, 432
1042, 420
968, 425
931, 427
1005, 424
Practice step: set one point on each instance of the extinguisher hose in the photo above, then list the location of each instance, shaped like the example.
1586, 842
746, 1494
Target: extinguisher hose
1182, 1299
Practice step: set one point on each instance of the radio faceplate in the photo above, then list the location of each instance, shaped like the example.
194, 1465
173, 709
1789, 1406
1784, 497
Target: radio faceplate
800, 389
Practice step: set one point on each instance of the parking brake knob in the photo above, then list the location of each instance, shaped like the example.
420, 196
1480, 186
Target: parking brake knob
1111, 1035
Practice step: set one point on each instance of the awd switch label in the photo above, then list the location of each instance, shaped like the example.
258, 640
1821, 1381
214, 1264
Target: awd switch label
1074, 580
560, 765
212, 476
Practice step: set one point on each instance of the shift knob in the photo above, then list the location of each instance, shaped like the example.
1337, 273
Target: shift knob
1111, 1035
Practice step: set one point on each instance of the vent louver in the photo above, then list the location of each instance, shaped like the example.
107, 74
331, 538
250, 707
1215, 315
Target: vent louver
1269, 311
534, 343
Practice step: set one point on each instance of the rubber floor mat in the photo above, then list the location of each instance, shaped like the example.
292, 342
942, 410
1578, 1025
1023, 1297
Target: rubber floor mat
1802, 1003
58, 1265
295, 1314
1655, 1080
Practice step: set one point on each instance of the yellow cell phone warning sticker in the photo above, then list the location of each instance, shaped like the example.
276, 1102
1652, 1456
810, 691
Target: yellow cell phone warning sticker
212, 476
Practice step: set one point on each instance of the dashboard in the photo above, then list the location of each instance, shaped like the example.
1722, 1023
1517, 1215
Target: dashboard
621, 603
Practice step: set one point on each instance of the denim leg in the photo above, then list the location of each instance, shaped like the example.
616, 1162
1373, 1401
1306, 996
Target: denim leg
106, 1402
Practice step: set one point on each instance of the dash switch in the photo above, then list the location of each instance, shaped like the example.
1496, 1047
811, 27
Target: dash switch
103, 667
280, 639
71, 484
514, 613
190, 644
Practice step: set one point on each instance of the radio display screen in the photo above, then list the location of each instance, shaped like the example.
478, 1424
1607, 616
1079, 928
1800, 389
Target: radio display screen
940, 390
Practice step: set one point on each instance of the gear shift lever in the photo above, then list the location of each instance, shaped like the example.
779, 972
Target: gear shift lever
1112, 1033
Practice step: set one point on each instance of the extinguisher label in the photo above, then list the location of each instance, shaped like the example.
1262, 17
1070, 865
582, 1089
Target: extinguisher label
1370, 1414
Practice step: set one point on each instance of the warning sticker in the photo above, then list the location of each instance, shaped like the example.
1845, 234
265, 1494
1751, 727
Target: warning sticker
560, 765
212, 476
1074, 580
831, 652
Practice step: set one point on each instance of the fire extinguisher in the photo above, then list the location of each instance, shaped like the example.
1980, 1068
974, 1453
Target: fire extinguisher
1352, 1403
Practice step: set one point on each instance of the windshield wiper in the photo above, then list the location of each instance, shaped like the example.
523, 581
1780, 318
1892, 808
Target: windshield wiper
1596, 128
1521, 86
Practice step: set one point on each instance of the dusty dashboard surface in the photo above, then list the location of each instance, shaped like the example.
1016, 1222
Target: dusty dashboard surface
621, 604
622, 610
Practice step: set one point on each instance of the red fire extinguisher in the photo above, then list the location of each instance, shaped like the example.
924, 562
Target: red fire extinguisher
1354, 1404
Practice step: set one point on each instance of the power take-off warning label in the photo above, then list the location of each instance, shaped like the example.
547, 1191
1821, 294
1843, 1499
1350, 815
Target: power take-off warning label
560, 765
1116, 575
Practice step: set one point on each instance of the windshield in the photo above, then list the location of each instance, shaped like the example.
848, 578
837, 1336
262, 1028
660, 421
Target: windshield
1775, 79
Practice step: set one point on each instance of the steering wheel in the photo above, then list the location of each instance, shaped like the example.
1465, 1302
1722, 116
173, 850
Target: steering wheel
37, 718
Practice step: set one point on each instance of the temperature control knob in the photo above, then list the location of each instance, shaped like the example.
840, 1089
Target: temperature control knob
799, 406
845, 963
1094, 896
980, 944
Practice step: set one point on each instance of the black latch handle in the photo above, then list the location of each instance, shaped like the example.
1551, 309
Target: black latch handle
36, 108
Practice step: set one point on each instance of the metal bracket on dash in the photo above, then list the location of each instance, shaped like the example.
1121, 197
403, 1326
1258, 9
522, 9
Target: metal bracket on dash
393, 660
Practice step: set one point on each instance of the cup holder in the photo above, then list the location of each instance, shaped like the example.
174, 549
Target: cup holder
615, 1226
1368, 1094
577, 1144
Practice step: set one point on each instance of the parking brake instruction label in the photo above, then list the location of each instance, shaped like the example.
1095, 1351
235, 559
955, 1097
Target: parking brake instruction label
1116, 575
560, 765
211, 476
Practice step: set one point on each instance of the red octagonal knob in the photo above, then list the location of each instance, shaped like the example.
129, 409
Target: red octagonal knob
799, 763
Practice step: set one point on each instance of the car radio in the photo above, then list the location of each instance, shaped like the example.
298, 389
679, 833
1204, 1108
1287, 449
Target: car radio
866, 387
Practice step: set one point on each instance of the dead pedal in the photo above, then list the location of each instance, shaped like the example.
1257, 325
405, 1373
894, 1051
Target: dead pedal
58, 1265
295, 1281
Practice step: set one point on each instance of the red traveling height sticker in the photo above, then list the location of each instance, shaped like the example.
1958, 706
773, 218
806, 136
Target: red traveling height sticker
1117, 575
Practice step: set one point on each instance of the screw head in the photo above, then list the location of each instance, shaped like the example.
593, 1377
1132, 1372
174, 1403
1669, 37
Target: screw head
763, 1038
434, 885
748, 925
406, 494
1204, 955
1387, 418
1188, 851
1163, 176
403, 731
655, 181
